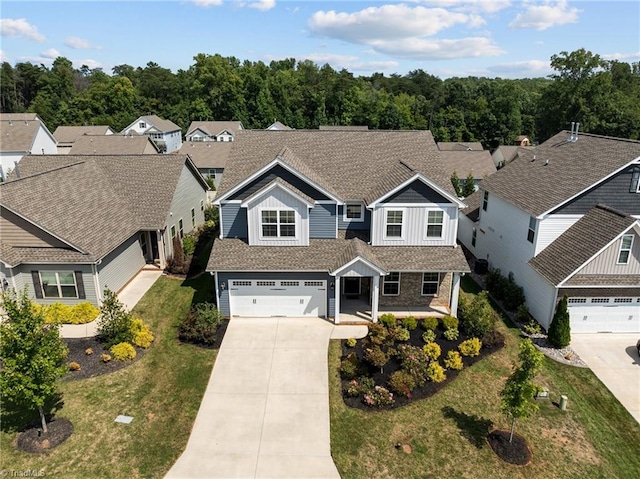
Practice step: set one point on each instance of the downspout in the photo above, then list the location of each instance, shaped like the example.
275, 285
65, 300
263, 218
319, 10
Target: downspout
161, 251
96, 281
215, 279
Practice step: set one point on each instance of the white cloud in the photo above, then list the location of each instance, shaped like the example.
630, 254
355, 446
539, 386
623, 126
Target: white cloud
80, 44
428, 49
35, 60
207, 3
90, 63
349, 62
263, 5
526, 68
20, 28
50, 53
488, 6
3, 57
622, 56
547, 15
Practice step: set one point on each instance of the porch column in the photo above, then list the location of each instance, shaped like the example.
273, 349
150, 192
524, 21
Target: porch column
336, 314
455, 291
161, 252
375, 298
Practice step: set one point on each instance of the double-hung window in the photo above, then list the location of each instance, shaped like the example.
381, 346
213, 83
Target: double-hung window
625, 249
58, 284
531, 233
394, 224
430, 284
435, 220
485, 200
181, 228
353, 212
278, 223
391, 284
193, 217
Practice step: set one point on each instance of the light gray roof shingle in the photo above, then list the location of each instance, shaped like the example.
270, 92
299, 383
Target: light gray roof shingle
19, 116
215, 127
472, 211
113, 145
580, 242
165, 126
208, 154
18, 135
69, 134
344, 127
460, 146
560, 171
479, 163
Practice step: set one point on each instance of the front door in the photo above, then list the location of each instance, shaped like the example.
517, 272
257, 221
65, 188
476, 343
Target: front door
352, 287
144, 246
154, 246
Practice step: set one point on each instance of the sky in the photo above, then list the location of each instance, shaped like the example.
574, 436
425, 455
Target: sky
446, 38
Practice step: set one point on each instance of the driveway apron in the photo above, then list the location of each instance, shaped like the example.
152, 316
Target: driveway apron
265, 412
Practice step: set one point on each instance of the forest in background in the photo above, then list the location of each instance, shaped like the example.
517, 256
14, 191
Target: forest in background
604, 96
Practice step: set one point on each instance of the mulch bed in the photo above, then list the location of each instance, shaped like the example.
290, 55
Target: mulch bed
516, 452
91, 365
429, 389
34, 441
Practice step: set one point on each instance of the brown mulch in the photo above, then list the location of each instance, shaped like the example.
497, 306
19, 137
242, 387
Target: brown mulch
34, 441
91, 365
516, 452
429, 389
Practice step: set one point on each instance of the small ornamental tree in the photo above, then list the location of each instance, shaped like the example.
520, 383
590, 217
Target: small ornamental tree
115, 323
33, 357
519, 391
469, 186
455, 181
560, 328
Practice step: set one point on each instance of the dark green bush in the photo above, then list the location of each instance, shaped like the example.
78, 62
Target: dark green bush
450, 322
348, 369
115, 323
496, 283
560, 328
477, 316
388, 320
429, 323
513, 294
189, 243
200, 325
410, 323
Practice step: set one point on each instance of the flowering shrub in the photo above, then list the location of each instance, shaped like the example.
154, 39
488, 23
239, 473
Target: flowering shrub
402, 383
379, 397
432, 350
362, 385
451, 334
123, 351
414, 361
453, 360
470, 347
429, 323
429, 336
435, 373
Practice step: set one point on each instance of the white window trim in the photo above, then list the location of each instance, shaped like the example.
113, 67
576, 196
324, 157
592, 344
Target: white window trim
385, 211
296, 224
620, 250
75, 285
426, 230
384, 280
431, 295
353, 220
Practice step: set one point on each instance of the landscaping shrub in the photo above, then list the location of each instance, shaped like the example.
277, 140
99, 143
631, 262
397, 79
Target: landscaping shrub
88, 351
429, 323
410, 323
496, 283
435, 372
450, 322
560, 328
200, 326
402, 383
73, 366
493, 339
388, 320
470, 347
105, 358
513, 294
58, 313
429, 336
451, 334
432, 350
122, 351
114, 326
189, 242
414, 361
379, 397
377, 333
351, 342
142, 335
353, 388
211, 214
400, 334
178, 264
453, 361
478, 317
376, 357
522, 314
349, 368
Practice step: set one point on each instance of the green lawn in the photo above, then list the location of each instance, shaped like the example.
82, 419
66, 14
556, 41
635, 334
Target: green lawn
162, 391
595, 438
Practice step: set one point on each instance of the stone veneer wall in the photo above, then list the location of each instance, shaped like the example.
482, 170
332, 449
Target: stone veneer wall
411, 292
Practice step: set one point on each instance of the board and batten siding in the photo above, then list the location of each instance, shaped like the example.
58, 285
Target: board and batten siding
607, 262
25, 279
233, 221
278, 199
550, 228
17, 231
354, 225
322, 221
121, 265
414, 226
224, 277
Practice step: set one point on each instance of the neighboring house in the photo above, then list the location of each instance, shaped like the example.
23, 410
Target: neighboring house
336, 224
67, 135
213, 130
22, 134
74, 225
505, 154
276, 125
343, 127
460, 146
210, 157
165, 133
563, 218
523, 140
478, 163
114, 145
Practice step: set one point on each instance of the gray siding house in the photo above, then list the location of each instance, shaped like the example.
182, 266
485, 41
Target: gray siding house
336, 224
75, 225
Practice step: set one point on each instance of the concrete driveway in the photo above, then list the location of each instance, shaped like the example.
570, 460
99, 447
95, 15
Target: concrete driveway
265, 412
613, 358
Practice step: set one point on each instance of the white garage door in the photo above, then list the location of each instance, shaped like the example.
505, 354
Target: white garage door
265, 298
594, 315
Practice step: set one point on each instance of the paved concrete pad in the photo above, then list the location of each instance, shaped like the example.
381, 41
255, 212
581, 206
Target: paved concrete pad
613, 358
265, 412
346, 331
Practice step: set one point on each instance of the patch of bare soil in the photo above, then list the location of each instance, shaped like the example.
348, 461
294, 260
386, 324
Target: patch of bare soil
92, 365
515, 452
35, 441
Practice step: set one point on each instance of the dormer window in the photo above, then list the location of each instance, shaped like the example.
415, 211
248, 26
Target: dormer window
354, 211
142, 125
625, 249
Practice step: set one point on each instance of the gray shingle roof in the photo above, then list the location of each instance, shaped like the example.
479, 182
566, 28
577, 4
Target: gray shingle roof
353, 164
479, 163
580, 242
536, 186
94, 202
19, 116
18, 135
208, 154
460, 145
344, 127
69, 134
231, 254
160, 124
113, 145
215, 127
472, 211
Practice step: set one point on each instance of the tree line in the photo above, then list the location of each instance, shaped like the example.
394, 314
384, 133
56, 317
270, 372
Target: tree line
604, 96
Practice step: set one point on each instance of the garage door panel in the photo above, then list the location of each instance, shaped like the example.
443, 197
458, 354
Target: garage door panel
592, 315
267, 298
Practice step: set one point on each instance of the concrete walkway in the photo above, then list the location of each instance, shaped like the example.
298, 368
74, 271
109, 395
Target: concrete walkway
129, 296
265, 412
613, 358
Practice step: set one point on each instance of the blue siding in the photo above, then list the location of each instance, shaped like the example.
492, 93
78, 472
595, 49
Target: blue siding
417, 192
322, 221
354, 225
224, 308
234, 221
275, 173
